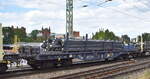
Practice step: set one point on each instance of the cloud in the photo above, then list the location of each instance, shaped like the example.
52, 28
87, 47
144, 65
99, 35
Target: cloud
123, 17
38, 4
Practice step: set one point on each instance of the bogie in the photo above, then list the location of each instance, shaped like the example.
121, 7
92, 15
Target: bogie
3, 67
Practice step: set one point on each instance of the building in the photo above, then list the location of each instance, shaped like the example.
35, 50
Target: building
54, 35
61, 36
76, 33
44, 33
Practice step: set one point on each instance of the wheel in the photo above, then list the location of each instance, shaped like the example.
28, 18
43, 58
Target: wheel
41, 65
3, 67
67, 62
34, 66
147, 53
45, 65
120, 58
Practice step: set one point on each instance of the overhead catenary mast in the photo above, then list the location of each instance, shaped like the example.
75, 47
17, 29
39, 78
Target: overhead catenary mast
69, 18
142, 44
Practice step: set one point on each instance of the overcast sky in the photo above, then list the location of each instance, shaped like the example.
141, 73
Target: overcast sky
130, 17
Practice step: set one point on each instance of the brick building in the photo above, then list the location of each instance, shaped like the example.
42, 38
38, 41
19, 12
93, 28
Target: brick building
44, 33
76, 34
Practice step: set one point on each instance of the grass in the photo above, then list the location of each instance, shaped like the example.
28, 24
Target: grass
145, 75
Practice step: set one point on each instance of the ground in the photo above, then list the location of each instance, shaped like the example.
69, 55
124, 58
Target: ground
141, 74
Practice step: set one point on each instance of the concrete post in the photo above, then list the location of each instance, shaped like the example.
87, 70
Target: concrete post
1, 43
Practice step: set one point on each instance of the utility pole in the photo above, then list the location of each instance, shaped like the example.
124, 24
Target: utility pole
69, 18
142, 44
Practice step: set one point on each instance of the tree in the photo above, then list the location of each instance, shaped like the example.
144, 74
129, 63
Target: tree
126, 38
10, 32
20, 33
34, 34
8, 35
145, 36
105, 35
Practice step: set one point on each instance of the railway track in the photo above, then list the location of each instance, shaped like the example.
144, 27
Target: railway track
102, 65
107, 72
29, 71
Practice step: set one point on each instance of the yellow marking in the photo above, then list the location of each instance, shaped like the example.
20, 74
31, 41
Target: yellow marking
16, 45
4, 61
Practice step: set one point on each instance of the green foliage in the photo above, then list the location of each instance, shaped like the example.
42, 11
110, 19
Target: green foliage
34, 37
8, 35
105, 35
126, 38
34, 34
145, 36
10, 32
21, 34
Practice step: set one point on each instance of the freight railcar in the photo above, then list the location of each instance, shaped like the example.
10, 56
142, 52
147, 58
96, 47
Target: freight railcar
57, 52
8, 57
